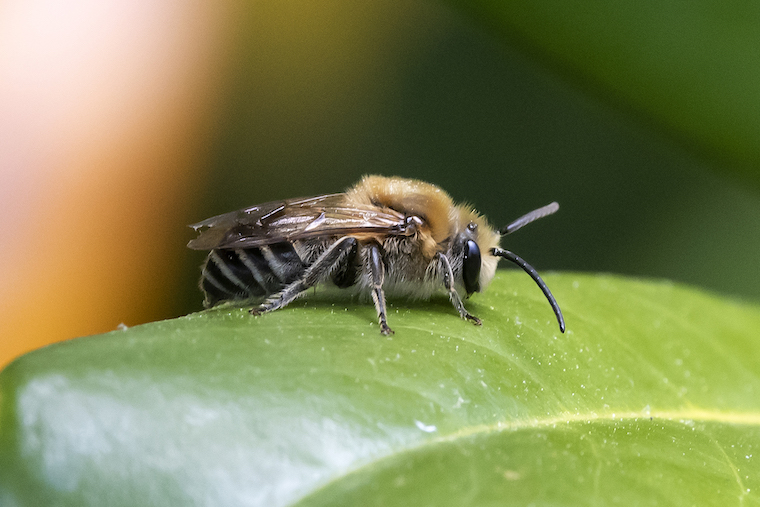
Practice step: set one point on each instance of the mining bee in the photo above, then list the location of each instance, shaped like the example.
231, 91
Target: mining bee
395, 235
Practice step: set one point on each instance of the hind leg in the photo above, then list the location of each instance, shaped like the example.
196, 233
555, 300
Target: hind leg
314, 274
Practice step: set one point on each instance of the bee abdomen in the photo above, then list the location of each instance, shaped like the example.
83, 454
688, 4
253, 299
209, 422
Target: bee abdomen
245, 273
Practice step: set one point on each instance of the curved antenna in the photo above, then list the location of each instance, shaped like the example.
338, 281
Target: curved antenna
506, 254
529, 217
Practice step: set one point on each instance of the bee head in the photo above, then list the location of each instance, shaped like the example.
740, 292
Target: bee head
473, 265
475, 252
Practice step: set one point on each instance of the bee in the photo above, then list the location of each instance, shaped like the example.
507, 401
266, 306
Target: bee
384, 235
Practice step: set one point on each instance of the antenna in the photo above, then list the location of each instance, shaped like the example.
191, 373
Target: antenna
528, 218
506, 254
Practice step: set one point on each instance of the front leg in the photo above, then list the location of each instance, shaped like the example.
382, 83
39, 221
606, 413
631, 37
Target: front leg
315, 273
448, 282
377, 270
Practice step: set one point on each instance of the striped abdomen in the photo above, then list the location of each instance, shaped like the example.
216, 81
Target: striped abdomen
245, 273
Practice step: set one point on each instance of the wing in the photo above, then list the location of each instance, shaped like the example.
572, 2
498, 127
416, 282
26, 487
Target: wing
292, 219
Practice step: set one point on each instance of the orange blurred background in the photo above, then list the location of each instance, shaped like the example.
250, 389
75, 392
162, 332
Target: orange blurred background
105, 111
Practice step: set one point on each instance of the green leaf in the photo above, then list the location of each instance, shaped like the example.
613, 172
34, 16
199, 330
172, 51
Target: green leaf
691, 67
651, 397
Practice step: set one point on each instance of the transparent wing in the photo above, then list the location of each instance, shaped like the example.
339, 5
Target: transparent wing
292, 219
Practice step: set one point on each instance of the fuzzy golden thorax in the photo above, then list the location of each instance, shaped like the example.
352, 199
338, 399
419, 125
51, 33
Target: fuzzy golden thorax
412, 198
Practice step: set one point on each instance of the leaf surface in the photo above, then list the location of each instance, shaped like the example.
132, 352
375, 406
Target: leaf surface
652, 396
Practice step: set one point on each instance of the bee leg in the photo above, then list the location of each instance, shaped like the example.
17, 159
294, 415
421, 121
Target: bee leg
311, 276
448, 282
377, 269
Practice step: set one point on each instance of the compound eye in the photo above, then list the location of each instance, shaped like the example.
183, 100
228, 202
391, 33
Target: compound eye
471, 267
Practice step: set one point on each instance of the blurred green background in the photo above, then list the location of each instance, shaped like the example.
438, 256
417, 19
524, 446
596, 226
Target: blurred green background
641, 119
320, 95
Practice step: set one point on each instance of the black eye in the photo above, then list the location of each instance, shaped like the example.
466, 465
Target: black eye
471, 267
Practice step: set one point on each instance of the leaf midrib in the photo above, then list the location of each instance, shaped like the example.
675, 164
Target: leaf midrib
685, 416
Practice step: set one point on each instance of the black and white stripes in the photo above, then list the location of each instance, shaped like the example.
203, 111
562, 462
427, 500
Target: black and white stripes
250, 272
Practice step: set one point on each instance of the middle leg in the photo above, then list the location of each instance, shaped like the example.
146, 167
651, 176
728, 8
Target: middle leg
377, 270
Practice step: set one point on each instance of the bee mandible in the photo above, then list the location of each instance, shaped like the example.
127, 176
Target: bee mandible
391, 235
